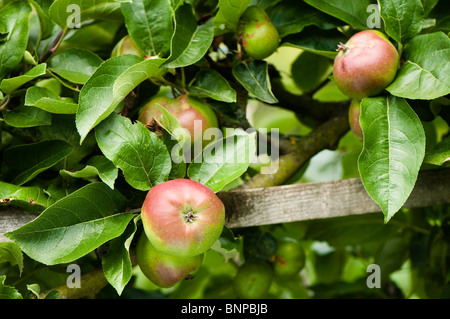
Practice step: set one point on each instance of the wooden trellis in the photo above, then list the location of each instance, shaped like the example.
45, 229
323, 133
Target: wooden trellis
289, 203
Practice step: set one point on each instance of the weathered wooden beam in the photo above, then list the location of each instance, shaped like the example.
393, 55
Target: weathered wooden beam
289, 203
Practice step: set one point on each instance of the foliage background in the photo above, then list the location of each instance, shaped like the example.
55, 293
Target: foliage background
58, 84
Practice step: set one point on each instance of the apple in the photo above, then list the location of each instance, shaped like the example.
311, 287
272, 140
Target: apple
257, 34
289, 258
182, 217
253, 279
365, 65
187, 110
126, 46
161, 269
353, 118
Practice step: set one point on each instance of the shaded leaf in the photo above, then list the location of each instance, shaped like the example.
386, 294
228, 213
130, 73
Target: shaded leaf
24, 162
209, 83
353, 12
254, 77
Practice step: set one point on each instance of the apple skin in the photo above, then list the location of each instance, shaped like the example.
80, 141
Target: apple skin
126, 46
354, 113
161, 269
182, 217
365, 65
256, 33
186, 109
289, 259
253, 280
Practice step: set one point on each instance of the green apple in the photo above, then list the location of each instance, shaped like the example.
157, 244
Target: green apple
257, 34
253, 280
161, 269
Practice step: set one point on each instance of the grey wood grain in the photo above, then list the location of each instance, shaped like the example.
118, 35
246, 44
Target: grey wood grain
289, 203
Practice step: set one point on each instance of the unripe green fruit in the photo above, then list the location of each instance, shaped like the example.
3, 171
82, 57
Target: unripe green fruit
253, 280
289, 259
161, 269
126, 46
365, 65
187, 110
182, 217
354, 113
256, 33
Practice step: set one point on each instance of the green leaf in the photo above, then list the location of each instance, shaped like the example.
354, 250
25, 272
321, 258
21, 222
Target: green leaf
15, 22
353, 12
309, 70
108, 86
190, 42
116, 262
150, 25
223, 160
97, 166
440, 154
312, 39
27, 116
74, 226
177, 139
8, 292
254, 77
11, 253
393, 151
137, 151
344, 231
45, 23
228, 245
65, 12
11, 84
24, 162
48, 101
30, 198
425, 74
403, 19
209, 83
227, 17
75, 65
292, 16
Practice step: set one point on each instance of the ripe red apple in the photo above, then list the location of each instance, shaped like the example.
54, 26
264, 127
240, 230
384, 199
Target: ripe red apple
257, 34
126, 46
354, 113
289, 258
253, 280
187, 110
161, 269
365, 65
182, 217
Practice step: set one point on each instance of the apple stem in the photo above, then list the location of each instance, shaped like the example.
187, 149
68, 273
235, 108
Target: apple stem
342, 47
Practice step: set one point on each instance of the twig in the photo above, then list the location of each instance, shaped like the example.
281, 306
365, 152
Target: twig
54, 46
325, 136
